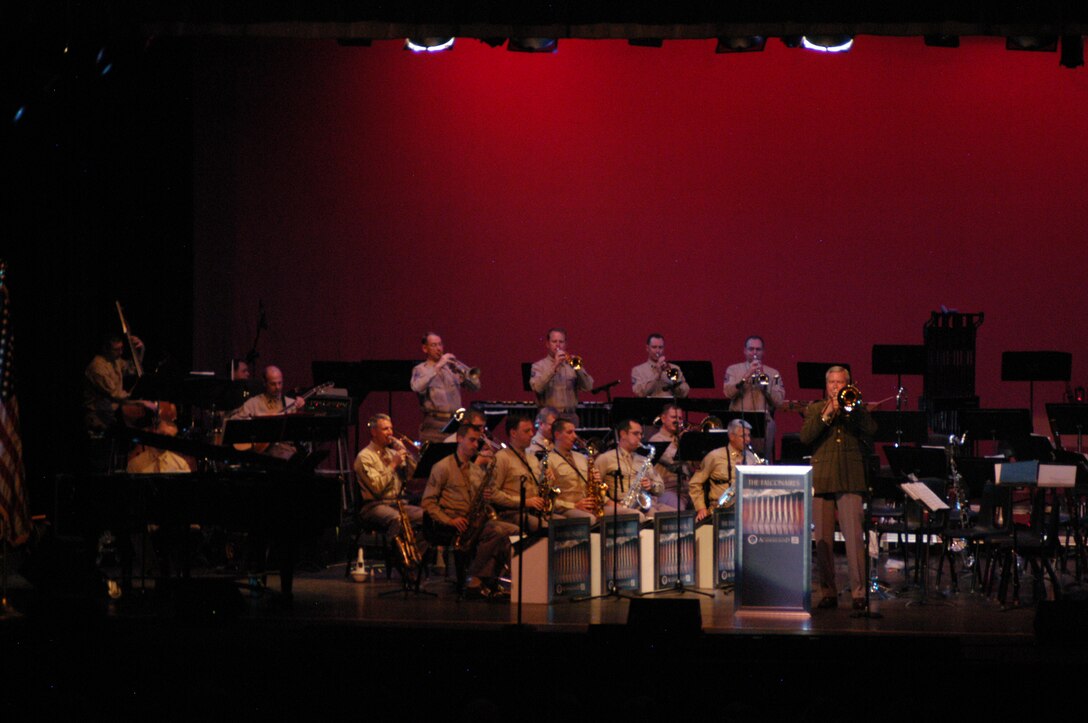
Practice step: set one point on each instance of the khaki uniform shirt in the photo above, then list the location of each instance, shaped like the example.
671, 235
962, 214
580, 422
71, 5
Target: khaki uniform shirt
450, 489
749, 398
647, 381
629, 466
439, 391
560, 388
510, 467
571, 480
720, 469
377, 478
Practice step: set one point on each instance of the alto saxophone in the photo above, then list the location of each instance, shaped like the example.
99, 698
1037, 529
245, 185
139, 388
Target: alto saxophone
480, 512
637, 498
547, 491
595, 489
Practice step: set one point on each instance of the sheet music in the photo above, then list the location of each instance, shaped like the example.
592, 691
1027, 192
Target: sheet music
1057, 475
922, 493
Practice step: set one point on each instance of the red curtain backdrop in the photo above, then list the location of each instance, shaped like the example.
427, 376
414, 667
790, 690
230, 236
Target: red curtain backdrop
828, 203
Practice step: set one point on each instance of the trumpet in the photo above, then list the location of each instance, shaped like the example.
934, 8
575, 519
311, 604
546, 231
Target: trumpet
465, 370
575, 362
849, 398
711, 422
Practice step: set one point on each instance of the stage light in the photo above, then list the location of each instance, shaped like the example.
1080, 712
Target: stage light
742, 44
942, 41
533, 45
1036, 43
428, 45
1072, 51
828, 43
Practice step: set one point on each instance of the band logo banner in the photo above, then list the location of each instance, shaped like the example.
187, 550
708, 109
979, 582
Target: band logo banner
673, 531
773, 568
568, 559
725, 546
627, 558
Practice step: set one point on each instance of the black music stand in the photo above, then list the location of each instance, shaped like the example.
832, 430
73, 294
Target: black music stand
369, 375
1036, 366
995, 424
919, 461
212, 393
699, 374
899, 359
1068, 419
900, 427
812, 375
526, 374
643, 410
283, 428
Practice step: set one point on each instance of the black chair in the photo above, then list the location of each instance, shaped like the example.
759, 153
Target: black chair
1037, 545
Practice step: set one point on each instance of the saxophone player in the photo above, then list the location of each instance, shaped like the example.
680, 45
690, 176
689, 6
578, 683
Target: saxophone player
542, 440
656, 377
718, 471
628, 463
378, 470
516, 468
573, 475
448, 501
672, 425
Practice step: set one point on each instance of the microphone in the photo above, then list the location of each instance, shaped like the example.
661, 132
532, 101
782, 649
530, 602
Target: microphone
603, 387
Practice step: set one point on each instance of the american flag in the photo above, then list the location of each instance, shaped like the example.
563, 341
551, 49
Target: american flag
14, 515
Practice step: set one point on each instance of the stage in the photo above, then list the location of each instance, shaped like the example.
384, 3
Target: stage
211, 645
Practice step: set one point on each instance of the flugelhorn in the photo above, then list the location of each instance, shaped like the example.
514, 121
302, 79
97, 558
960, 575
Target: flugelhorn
849, 398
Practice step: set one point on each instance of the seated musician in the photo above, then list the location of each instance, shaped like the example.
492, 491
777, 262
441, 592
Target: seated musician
572, 474
626, 460
718, 471
381, 469
555, 380
542, 440
104, 383
672, 422
450, 503
270, 402
150, 460
651, 377
516, 469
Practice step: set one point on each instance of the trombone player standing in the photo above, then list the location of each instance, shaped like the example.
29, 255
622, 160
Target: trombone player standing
839, 439
437, 381
557, 378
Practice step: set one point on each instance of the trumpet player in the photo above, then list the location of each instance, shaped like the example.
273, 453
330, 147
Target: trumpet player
380, 470
751, 386
573, 474
448, 501
656, 377
672, 424
516, 468
625, 463
557, 378
839, 441
718, 471
437, 381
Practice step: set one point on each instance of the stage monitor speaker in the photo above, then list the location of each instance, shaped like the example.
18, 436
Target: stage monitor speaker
672, 617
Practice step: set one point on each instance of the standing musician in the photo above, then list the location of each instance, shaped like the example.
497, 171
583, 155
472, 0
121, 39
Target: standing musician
438, 381
839, 441
672, 422
270, 402
718, 471
542, 440
448, 501
752, 387
656, 377
628, 462
516, 468
557, 378
104, 383
572, 474
381, 469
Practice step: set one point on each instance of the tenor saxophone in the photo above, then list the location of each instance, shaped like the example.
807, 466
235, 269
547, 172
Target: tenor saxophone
406, 541
547, 491
480, 512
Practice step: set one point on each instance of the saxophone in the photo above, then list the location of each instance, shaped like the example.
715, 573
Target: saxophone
636, 498
546, 490
406, 541
595, 486
480, 512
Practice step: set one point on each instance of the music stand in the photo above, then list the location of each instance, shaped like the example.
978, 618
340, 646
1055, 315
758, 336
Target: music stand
812, 375
920, 461
526, 374
698, 374
641, 409
1036, 366
369, 375
1068, 419
900, 427
899, 359
995, 424
283, 428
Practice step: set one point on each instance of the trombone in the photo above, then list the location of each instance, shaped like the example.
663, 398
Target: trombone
849, 398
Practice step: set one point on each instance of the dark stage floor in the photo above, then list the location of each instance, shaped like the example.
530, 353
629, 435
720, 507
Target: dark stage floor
211, 647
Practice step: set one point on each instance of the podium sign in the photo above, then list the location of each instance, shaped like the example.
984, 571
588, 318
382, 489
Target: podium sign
774, 554
568, 559
672, 529
627, 562
725, 545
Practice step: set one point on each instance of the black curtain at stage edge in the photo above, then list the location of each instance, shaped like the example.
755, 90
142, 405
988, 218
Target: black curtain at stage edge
99, 209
